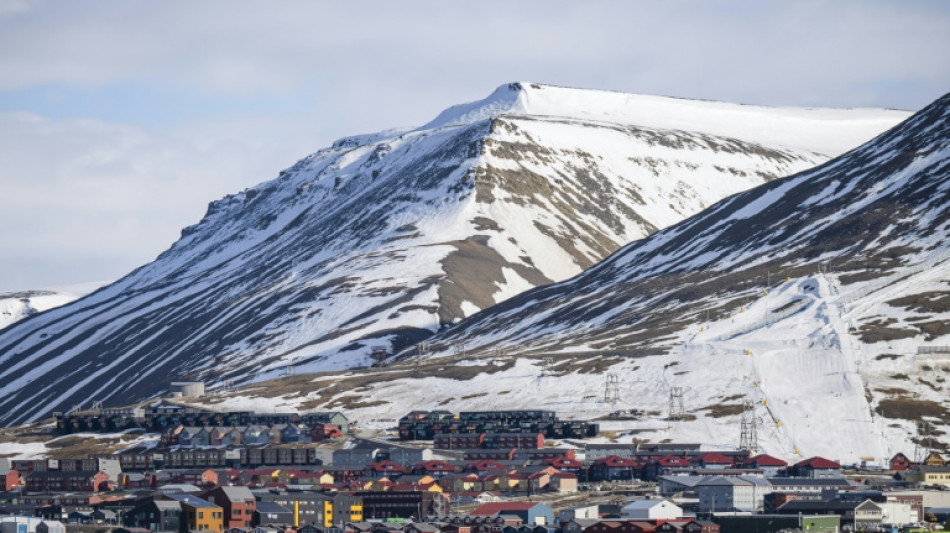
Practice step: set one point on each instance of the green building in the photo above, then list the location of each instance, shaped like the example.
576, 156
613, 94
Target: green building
772, 523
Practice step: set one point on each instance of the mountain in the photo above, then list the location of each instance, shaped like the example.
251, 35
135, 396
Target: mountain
383, 239
17, 305
822, 298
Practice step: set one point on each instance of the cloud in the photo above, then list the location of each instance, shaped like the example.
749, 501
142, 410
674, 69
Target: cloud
140, 113
87, 200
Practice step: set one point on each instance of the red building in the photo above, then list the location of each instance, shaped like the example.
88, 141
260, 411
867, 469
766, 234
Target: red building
201, 478
612, 468
436, 469
9, 480
712, 460
238, 503
900, 462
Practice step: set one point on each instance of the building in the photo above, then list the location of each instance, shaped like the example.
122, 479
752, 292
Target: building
846, 509
730, 493
198, 514
650, 510
530, 513
23, 524
272, 513
75, 481
335, 418
613, 468
770, 466
402, 504
931, 475
156, 515
9, 480
900, 462
238, 504
897, 513
772, 523
586, 512
934, 459
816, 467
187, 389
808, 486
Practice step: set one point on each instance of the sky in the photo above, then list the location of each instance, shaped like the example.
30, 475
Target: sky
121, 121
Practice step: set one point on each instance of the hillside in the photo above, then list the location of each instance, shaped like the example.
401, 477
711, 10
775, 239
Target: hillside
821, 299
381, 240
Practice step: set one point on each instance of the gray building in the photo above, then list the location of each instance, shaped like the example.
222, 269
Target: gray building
728, 493
187, 389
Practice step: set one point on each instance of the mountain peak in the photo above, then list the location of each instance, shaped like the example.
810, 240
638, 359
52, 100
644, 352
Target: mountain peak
826, 131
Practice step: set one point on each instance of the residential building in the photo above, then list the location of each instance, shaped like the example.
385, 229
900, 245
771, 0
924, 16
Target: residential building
530, 513
816, 467
238, 504
931, 475
272, 513
156, 515
9, 480
770, 466
900, 462
198, 514
402, 504
59, 481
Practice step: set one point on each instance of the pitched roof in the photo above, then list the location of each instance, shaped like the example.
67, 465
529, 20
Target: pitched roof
766, 460
818, 462
716, 481
715, 458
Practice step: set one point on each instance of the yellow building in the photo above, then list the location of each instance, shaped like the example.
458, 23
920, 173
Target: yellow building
934, 459
199, 515
932, 475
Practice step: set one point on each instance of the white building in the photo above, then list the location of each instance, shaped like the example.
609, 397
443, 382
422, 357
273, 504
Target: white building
589, 512
650, 510
896, 513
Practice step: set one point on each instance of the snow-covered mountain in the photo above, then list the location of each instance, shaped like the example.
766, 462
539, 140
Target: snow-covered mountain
382, 239
17, 305
823, 298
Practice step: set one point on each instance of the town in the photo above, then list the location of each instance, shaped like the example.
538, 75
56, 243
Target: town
441, 472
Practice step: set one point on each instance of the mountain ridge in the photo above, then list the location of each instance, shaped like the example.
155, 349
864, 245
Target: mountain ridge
378, 240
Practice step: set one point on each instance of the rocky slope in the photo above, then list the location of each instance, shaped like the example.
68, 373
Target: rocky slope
822, 298
382, 239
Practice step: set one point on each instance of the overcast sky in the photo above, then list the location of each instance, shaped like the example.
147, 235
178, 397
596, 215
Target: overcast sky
120, 121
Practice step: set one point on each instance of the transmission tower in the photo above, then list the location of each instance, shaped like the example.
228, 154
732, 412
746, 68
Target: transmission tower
748, 439
677, 409
459, 348
922, 442
422, 349
612, 388
289, 370
498, 352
